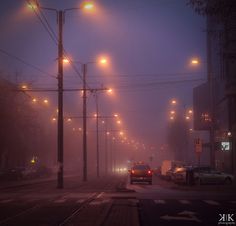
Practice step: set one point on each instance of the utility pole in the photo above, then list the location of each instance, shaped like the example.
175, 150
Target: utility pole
97, 135
60, 102
84, 123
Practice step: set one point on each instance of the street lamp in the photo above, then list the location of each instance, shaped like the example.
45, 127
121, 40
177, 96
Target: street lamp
60, 18
84, 70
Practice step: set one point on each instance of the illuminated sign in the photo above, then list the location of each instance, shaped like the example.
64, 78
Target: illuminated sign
225, 146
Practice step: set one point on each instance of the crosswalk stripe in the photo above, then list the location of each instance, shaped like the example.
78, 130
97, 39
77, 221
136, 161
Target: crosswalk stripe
211, 202
160, 201
184, 202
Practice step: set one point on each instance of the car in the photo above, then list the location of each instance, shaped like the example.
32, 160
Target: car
141, 173
208, 175
179, 175
168, 167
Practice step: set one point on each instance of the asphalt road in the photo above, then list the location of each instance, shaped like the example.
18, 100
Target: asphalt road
112, 201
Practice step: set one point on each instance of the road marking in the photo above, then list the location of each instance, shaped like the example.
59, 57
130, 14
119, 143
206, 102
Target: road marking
160, 201
80, 200
6, 201
60, 201
211, 202
184, 215
184, 202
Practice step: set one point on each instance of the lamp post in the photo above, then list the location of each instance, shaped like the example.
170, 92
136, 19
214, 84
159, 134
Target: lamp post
60, 137
84, 69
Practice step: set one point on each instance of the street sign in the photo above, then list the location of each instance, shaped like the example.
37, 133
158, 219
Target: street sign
198, 145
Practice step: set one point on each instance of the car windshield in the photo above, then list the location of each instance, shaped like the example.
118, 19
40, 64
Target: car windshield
141, 167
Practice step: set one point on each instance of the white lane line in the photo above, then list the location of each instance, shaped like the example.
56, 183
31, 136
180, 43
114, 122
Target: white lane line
186, 202
6, 201
160, 201
211, 202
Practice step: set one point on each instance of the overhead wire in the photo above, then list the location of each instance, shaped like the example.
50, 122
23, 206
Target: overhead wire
26, 63
53, 36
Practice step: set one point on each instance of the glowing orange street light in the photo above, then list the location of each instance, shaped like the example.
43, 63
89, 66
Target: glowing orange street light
118, 122
45, 101
190, 111
103, 61
187, 117
88, 5
24, 87
195, 61
173, 101
116, 115
54, 119
34, 100
66, 61
121, 133
172, 112
110, 91
69, 120
172, 118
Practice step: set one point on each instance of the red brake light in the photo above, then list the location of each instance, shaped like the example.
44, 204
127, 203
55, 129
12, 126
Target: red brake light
132, 171
149, 172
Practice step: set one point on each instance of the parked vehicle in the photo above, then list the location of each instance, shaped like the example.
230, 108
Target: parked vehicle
11, 174
168, 167
141, 173
179, 174
207, 175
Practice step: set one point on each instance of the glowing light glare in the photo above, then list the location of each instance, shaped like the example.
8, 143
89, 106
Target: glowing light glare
108, 133
116, 115
65, 61
45, 101
34, 100
172, 112
190, 111
121, 133
110, 91
172, 118
118, 122
187, 117
173, 101
95, 115
88, 5
54, 119
24, 86
194, 61
103, 61
32, 6
69, 120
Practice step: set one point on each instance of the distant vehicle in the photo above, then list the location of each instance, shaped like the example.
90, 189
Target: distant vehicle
168, 167
180, 174
207, 175
11, 173
141, 173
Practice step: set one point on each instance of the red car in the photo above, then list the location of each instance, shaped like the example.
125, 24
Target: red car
141, 173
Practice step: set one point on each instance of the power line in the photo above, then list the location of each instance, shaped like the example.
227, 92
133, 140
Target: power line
26, 63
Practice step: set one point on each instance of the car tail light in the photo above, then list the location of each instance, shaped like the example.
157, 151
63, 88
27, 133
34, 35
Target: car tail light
132, 171
149, 172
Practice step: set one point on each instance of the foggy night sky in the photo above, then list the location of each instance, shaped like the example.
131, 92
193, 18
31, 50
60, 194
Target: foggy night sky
148, 43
